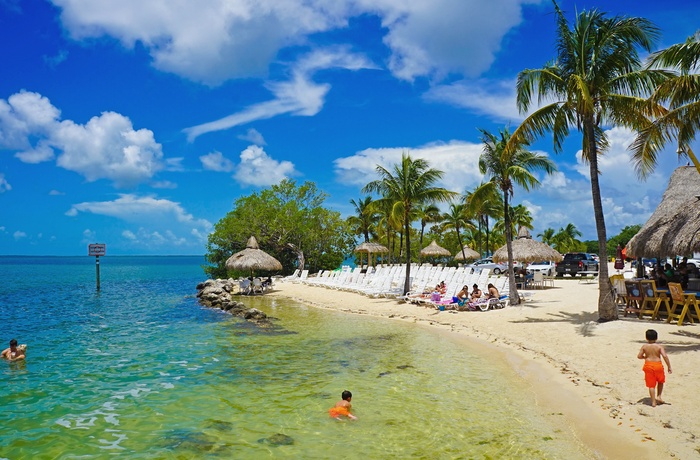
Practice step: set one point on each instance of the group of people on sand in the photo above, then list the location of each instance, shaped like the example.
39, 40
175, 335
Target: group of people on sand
465, 297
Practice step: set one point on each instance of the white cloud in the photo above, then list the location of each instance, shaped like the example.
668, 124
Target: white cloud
298, 96
56, 193
253, 136
164, 184
242, 37
457, 159
4, 185
107, 147
496, 100
215, 161
18, 235
149, 239
257, 168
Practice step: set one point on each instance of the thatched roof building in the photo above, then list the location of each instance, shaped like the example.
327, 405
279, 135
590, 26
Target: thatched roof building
525, 249
433, 249
674, 228
252, 258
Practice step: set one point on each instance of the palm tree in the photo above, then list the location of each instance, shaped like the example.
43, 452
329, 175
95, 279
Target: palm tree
484, 206
566, 238
408, 185
506, 168
547, 236
682, 94
428, 214
520, 216
365, 217
595, 80
456, 217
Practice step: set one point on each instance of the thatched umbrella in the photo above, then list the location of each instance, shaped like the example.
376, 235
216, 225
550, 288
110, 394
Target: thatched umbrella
674, 228
370, 248
253, 258
525, 249
469, 254
434, 250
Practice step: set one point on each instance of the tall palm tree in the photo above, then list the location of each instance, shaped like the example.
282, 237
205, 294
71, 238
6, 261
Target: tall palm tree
485, 206
409, 184
428, 214
457, 218
506, 168
520, 216
681, 93
365, 217
547, 236
595, 80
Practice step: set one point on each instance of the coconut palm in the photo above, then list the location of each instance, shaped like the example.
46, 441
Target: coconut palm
408, 185
547, 236
365, 217
428, 214
457, 218
595, 80
681, 93
506, 168
520, 216
566, 238
485, 206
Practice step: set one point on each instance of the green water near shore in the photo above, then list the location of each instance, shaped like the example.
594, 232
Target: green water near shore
142, 371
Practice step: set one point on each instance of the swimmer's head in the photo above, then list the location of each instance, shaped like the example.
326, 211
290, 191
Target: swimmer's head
13, 342
346, 395
651, 335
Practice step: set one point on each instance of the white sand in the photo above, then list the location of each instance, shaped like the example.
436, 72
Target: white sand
586, 370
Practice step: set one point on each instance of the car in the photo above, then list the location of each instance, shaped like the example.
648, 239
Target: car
546, 267
496, 267
575, 263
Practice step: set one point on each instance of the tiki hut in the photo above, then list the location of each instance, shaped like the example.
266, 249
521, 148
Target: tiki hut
433, 250
253, 258
674, 228
525, 249
466, 254
370, 248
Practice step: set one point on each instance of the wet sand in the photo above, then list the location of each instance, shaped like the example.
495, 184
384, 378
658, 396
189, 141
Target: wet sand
586, 370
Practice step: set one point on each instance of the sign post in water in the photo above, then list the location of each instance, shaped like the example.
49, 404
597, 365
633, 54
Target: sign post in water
97, 250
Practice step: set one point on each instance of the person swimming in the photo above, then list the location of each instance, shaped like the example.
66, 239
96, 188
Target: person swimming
15, 352
343, 407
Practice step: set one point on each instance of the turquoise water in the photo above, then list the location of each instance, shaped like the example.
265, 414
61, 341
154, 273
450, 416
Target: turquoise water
140, 370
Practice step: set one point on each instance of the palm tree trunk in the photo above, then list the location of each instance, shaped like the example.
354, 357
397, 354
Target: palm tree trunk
407, 283
487, 235
512, 288
422, 229
607, 310
693, 158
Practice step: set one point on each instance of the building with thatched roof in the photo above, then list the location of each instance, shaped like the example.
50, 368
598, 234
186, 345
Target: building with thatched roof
674, 227
252, 259
525, 249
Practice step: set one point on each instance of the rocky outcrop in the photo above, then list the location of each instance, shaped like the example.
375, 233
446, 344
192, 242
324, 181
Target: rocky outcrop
218, 294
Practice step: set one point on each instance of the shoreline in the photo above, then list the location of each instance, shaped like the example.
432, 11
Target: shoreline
584, 369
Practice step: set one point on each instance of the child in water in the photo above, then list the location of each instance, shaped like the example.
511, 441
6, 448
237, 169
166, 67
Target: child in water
652, 353
342, 408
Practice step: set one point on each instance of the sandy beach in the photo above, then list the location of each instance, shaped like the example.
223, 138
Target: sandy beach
586, 370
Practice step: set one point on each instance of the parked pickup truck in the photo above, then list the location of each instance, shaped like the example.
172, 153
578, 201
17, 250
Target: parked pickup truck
576, 262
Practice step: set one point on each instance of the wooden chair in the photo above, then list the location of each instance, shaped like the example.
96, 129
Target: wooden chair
635, 296
618, 284
653, 300
682, 301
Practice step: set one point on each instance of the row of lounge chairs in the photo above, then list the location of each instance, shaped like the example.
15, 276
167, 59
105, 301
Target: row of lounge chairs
388, 281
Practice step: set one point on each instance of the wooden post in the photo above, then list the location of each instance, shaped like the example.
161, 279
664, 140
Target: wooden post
97, 271
97, 250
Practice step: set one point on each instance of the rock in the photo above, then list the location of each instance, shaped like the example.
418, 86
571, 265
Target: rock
278, 439
254, 314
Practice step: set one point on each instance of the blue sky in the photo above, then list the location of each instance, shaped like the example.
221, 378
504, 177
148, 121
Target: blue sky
137, 124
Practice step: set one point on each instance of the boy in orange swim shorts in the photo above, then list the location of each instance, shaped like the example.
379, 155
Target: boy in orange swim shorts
652, 353
342, 408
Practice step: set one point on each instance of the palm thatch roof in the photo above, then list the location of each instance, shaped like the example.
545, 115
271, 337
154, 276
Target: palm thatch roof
253, 258
434, 250
674, 228
371, 248
525, 249
469, 254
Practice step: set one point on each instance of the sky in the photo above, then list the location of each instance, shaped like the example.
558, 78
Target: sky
138, 124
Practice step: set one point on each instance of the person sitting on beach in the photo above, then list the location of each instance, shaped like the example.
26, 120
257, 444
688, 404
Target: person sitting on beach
476, 293
492, 292
442, 288
658, 275
463, 294
652, 353
268, 282
343, 407
14, 353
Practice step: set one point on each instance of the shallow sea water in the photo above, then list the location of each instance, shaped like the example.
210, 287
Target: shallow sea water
140, 370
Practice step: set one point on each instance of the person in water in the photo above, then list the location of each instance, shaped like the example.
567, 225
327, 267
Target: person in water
654, 376
343, 407
14, 353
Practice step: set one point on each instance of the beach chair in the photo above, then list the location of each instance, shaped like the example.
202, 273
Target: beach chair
653, 300
244, 286
635, 297
292, 276
681, 305
257, 287
302, 278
